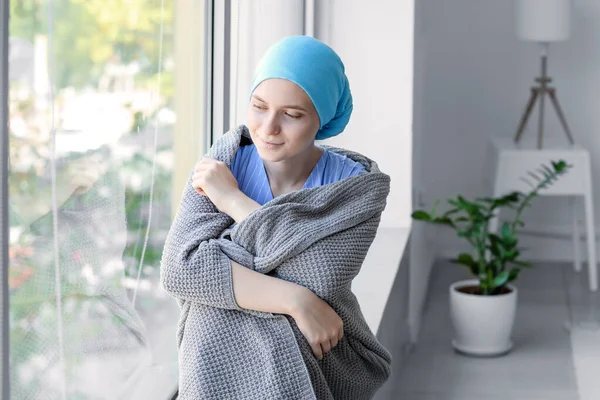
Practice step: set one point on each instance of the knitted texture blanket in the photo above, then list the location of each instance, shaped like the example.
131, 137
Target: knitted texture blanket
317, 238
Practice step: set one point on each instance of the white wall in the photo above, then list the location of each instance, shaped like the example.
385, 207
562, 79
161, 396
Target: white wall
374, 39
477, 76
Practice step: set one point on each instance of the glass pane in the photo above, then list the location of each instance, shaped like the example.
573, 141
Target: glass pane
88, 319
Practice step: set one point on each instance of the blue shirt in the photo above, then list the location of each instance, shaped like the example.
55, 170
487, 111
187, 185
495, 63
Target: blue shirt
249, 171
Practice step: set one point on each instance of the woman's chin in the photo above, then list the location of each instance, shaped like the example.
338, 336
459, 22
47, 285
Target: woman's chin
271, 155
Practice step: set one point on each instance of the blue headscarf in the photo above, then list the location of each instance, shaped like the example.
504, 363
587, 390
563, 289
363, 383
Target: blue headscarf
319, 71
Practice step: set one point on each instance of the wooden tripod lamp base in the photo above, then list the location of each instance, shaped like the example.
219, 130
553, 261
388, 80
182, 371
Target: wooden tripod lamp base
543, 22
540, 92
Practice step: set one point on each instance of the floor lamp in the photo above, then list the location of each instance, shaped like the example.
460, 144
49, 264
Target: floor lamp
544, 22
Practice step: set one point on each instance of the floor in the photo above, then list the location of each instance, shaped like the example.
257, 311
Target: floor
556, 344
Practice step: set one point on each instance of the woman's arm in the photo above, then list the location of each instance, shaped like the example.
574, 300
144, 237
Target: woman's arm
317, 321
255, 291
240, 206
215, 180
194, 268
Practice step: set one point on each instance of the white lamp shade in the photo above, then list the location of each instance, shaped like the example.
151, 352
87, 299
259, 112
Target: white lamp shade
543, 20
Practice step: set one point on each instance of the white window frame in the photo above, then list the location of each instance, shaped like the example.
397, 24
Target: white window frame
193, 88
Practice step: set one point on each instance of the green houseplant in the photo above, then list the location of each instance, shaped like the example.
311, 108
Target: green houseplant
483, 308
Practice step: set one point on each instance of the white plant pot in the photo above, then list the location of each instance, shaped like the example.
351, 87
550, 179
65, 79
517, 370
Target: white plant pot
482, 324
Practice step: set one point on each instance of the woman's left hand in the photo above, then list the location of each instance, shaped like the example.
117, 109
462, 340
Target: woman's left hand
214, 179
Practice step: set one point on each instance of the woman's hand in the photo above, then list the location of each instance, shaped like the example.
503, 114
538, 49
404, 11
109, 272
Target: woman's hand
318, 322
214, 179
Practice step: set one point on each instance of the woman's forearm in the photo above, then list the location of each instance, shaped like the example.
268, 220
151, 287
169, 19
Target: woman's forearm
256, 291
259, 292
240, 206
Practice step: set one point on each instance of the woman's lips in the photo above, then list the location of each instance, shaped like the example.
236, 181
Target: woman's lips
271, 145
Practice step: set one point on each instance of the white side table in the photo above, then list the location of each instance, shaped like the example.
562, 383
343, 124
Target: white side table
510, 162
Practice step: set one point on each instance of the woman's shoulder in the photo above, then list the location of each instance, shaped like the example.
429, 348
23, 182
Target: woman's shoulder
341, 159
339, 166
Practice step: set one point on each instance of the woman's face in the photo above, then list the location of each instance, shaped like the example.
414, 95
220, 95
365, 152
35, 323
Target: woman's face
282, 120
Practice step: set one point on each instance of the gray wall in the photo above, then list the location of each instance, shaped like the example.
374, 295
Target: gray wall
475, 84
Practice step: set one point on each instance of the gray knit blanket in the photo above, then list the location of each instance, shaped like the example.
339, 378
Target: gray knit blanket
317, 238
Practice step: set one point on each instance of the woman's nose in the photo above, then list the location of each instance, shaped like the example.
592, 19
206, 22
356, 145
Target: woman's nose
271, 124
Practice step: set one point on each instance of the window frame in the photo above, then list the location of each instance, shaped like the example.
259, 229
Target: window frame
194, 75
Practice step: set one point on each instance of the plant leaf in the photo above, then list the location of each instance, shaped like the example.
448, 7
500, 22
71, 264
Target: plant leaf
421, 215
513, 274
501, 279
467, 260
522, 264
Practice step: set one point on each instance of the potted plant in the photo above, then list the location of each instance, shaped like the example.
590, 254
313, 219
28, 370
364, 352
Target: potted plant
483, 309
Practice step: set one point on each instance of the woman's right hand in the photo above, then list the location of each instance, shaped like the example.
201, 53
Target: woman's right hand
318, 322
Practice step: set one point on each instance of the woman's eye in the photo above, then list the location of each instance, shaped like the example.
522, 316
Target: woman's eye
293, 116
258, 107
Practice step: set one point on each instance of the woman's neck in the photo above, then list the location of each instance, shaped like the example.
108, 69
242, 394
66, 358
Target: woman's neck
291, 174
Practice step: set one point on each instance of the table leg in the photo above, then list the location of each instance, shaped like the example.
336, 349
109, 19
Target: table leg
576, 235
591, 234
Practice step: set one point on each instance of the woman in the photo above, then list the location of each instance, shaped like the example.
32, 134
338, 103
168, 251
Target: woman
269, 234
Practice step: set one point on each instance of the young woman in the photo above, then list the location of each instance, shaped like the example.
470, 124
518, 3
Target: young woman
270, 232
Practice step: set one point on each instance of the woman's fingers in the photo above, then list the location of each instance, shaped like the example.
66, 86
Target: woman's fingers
198, 182
200, 174
326, 346
333, 342
205, 163
319, 323
198, 188
316, 348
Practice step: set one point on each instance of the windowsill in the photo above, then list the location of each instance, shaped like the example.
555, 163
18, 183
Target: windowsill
374, 283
